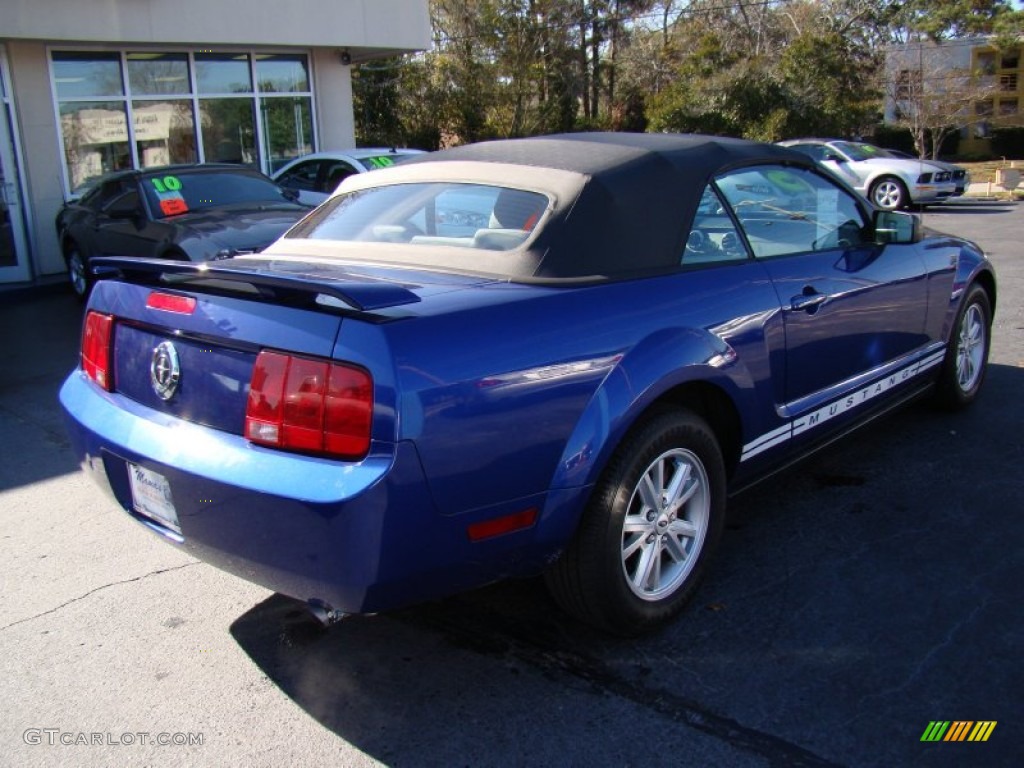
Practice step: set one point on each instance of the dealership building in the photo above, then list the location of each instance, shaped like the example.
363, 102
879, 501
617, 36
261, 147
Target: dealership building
95, 86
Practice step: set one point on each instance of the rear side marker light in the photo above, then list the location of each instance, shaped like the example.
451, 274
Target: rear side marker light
488, 529
171, 302
309, 405
97, 335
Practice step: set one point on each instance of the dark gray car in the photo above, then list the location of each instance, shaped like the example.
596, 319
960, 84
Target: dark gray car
184, 212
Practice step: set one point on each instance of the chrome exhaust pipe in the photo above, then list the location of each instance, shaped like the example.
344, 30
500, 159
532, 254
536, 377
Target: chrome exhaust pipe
324, 613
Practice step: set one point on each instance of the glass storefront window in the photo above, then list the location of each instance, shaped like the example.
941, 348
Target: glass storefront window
87, 75
229, 131
223, 73
282, 73
95, 139
165, 132
139, 109
158, 74
287, 129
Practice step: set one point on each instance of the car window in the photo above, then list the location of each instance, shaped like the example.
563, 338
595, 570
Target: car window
713, 236
302, 176
173, 194
814, 151
442, 213
858, 151
100, 196
335, 172
380, 161
792, 210
126, 202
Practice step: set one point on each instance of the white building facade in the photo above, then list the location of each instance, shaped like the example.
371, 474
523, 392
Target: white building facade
99, 85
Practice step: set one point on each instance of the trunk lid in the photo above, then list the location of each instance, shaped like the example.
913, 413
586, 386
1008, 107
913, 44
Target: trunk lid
242, 306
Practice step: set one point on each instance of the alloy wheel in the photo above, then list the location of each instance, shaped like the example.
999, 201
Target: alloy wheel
665, 524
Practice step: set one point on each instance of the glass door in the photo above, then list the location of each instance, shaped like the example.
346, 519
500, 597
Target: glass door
13, 249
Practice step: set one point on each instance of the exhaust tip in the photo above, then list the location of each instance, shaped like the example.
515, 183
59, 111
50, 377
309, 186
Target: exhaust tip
324, 613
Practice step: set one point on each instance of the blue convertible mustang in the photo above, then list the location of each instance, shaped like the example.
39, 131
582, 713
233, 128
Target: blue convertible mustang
555, 355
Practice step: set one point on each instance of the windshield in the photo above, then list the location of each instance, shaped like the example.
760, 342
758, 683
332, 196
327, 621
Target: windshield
437, 213
388, 160
857, 151
172, 194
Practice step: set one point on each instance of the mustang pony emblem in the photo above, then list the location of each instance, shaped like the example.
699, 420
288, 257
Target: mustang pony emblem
164, 371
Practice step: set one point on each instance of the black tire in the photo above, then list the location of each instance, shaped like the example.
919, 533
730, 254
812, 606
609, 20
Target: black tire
963, 370
889, 194
78, 271
632, 566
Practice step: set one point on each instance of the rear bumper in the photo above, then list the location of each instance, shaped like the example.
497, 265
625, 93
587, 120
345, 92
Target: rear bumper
361, 536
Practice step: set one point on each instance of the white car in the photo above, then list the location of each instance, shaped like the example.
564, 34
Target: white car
317, 175
890, 183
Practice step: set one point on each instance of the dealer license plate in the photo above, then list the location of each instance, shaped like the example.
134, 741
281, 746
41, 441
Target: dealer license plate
151, 496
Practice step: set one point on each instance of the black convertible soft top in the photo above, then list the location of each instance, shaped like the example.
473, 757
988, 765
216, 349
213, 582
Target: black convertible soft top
628, 212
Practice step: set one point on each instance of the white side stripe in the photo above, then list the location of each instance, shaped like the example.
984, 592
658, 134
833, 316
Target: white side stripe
838, 407
766, 441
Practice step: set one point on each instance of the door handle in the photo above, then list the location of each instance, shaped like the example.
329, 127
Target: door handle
808, 302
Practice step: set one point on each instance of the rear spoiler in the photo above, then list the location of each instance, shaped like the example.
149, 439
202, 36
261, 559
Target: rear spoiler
361, 295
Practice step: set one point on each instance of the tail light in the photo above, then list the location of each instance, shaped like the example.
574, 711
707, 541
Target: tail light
303, 404
97, 334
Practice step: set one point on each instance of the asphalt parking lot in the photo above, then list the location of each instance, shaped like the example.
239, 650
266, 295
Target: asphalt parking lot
856, 599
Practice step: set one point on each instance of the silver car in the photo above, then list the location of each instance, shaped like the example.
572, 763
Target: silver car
890, 183
961, 176
317, 175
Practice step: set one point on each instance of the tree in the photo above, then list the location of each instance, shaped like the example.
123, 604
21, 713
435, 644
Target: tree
768, 72
829, 82
945, 19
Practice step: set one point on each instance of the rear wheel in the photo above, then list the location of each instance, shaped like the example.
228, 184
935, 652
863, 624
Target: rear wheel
889, 193
649, 530
78, 272
963, 370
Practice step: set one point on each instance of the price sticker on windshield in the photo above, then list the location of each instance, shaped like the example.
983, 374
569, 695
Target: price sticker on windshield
382, 161
173, 206
168, 192
166, 184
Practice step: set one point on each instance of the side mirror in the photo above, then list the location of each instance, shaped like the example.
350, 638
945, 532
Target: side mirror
290, 194
896, 227
835, 158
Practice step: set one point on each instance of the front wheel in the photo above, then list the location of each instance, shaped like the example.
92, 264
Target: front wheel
649, 530
963, 370
889, 194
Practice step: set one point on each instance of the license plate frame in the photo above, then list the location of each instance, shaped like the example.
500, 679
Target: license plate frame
151, 497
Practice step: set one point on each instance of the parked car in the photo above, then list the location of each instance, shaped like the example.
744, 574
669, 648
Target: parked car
385, 407
961, 176
890, 183
317, 175
184, 212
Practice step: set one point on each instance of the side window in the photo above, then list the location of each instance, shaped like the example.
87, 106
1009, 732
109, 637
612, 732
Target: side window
302, 176
99, 198
713, 236
785, 211
126, 203
335, 173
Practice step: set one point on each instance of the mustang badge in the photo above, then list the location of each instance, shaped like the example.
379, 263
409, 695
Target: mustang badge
164, 371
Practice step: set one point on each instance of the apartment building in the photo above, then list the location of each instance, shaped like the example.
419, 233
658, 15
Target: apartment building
972, 79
